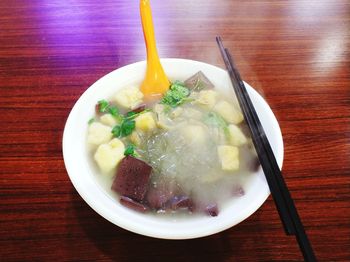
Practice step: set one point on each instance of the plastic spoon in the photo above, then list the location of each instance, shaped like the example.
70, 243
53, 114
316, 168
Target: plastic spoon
156, 82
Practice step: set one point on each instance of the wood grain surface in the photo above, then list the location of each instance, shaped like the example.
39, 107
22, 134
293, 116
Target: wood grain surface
296, 53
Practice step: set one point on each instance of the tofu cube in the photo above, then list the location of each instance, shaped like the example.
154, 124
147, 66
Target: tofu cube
109, 120
130, 97
207, 98
145, 122
99, 134
237, 138
229, 157
109, 155
228, 112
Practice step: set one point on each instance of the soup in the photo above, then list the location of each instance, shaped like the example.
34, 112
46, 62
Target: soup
187, 153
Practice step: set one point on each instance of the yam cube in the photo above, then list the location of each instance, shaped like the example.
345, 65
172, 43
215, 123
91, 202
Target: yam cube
229, 157
207, 98
132, 178
109, 155
99, 134
108, 119
130, 97
237, 138
145, 122
228, 112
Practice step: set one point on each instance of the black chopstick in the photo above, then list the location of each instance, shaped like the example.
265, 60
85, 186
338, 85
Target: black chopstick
280, 193
263, 157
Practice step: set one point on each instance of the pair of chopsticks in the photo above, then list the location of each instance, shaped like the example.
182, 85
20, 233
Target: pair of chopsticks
279, 191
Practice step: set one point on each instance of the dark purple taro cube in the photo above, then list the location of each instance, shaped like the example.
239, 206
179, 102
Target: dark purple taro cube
157, 197
132, 178
139, 109
238, 191
129, 203
198, 82
212, 210
178, 202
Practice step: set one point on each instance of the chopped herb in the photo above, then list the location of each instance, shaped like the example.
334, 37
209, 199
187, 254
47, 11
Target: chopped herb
127, 127
91, 120
130, 150
176, 94
130, 114
213, 119
133, 115
127, 123
116, 131
113, 110
124, 129
103, 106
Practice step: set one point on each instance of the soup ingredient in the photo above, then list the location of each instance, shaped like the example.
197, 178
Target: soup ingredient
99, 133
176, 95
228, 112
198, 82
207, 98
108, 120
159, 194
108, 155
213, 119
132, 178
91, 120
124, 129
135, 138
129, 98
238, 191
139, 109
178, 202
229, 157
130, 150
195, 135
195, 152
145, 122
176, 112
237, 138
103, 106
212, 210
128, 202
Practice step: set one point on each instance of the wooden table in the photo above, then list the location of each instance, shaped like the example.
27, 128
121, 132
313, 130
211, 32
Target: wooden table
295, 53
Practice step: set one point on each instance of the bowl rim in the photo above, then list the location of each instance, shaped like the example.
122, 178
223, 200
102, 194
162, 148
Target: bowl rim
143, 230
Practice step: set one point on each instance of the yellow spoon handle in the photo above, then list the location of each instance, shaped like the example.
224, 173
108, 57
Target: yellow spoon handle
148, 31
155, 82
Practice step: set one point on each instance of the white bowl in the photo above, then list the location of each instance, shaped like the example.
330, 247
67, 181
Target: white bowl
84, 179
